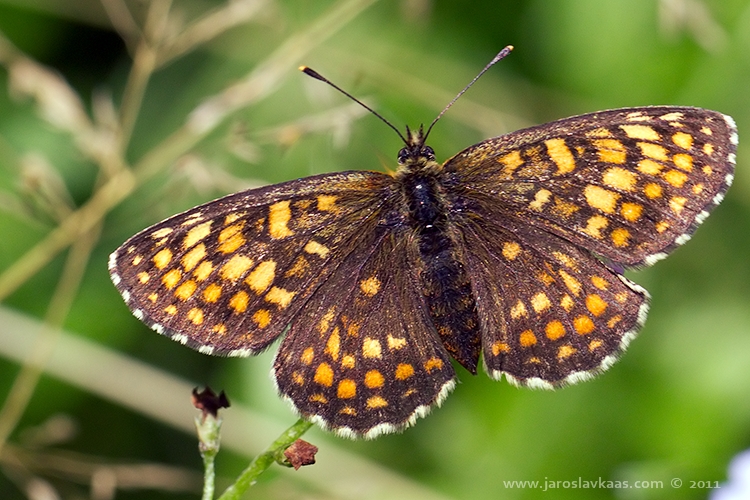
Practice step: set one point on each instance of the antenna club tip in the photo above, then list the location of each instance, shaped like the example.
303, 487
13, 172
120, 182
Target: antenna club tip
311, 72
500, 55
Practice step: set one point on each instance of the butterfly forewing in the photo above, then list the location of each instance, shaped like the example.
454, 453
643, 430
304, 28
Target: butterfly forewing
627, 184
228, 276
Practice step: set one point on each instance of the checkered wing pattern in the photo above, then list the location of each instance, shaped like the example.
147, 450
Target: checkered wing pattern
227, 277
551, 313
556, 211
364, 359
629, 185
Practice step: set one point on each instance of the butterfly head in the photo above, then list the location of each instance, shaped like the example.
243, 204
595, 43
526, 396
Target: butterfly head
415, 153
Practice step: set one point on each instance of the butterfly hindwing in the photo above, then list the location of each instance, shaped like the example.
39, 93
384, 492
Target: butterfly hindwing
364, 358
550, 312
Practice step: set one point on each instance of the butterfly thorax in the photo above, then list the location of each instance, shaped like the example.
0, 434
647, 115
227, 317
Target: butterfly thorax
445, 283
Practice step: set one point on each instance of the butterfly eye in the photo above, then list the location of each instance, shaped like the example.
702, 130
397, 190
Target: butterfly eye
428, 153
403, 155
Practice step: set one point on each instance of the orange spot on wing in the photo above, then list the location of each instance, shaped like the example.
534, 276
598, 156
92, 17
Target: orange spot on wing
527, 338
347, 389
583, 325
554, 330
324, 375
404, 371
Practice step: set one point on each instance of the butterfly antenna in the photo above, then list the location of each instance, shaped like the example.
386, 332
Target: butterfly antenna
311, 72
500, 55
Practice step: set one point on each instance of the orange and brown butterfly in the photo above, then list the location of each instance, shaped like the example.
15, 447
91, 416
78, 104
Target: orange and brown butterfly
511, 252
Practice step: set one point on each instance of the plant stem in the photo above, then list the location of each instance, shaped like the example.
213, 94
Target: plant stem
263, 461
209, 475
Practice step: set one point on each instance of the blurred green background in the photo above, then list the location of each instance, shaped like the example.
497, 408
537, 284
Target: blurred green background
213, 104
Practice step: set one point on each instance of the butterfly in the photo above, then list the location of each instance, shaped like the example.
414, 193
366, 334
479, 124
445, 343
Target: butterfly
510, 253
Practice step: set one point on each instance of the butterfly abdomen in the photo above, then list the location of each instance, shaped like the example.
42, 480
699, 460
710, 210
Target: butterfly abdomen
445, 283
